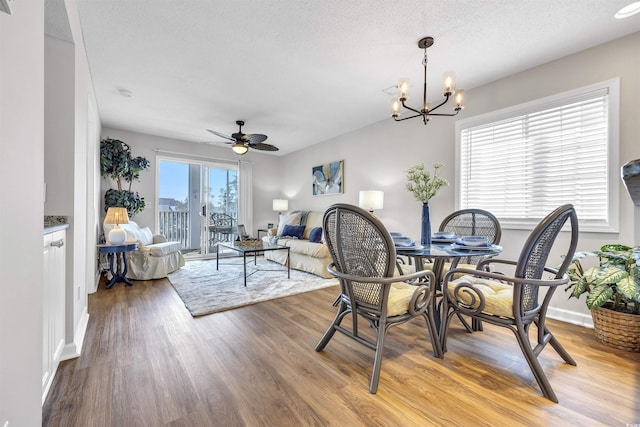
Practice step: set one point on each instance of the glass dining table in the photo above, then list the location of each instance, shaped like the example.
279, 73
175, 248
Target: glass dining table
438, 255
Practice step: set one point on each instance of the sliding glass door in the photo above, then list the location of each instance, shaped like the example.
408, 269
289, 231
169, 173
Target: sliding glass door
197, 204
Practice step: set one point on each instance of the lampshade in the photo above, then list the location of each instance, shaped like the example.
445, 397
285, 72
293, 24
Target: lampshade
371, 200
117, 216
280, 205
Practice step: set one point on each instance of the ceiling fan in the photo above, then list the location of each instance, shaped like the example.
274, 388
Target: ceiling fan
241, 142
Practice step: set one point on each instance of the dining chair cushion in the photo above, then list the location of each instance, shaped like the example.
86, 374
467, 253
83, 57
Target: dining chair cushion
498, 295
407, 269
447, 267
399, 296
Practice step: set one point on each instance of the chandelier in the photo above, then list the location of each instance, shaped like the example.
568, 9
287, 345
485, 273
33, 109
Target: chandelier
448, 88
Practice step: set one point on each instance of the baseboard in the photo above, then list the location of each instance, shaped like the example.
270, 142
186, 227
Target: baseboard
73, 350
572, 317
96, 283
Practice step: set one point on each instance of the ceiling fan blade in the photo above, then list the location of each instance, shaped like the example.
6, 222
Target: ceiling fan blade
263, 147
221, 135
218, 142
256, 138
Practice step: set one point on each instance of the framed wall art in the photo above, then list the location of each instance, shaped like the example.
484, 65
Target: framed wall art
328, 178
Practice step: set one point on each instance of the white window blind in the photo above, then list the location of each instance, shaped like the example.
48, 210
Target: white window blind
533, 159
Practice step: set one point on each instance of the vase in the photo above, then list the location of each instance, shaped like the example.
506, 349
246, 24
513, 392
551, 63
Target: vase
425, 238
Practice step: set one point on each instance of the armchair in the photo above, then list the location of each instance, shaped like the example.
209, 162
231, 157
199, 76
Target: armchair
155, 257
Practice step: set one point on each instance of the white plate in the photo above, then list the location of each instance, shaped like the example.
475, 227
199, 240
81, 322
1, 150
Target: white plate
472, 248
452, 240
409, 248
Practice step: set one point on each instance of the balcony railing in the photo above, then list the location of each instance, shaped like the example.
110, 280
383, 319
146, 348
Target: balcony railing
174, 226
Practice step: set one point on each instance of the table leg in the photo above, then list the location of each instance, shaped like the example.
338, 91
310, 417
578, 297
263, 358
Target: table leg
126, 268
288, 263
217, 256
244, 266
113, 274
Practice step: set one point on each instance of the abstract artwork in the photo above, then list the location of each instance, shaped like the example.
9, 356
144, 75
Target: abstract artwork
328, 178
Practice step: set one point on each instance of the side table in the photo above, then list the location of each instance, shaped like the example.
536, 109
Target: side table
262, 230
119, 252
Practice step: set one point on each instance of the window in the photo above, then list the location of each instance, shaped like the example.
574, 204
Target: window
522, 162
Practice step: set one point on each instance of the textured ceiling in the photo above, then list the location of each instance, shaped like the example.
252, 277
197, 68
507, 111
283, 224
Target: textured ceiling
305, 71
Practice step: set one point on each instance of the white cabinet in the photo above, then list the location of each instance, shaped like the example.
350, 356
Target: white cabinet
53, 296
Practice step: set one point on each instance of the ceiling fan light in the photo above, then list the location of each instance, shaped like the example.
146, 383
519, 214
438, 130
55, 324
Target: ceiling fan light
239, 148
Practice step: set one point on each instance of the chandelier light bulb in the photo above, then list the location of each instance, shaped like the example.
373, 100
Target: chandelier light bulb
403, 88
395, 107
449, 83
459, 100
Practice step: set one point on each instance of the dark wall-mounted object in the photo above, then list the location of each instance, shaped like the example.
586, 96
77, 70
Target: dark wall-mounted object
631, 177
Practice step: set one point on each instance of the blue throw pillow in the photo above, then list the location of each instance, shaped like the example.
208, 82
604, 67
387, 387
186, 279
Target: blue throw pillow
316, 235
296, 231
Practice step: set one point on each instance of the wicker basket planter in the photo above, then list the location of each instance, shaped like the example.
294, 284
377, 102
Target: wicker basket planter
617, 329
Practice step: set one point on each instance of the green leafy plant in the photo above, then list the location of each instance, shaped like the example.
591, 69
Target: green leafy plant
423, 184
615, 282
117, 163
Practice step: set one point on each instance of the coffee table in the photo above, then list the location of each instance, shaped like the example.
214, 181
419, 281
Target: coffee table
246, 249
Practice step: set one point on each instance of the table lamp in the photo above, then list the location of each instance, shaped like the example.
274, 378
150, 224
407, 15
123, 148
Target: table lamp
280, 205
370, 200
117, 216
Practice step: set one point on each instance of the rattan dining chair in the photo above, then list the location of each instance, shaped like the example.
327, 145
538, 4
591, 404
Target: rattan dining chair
468, 222
364, 259
520, 300
473, 222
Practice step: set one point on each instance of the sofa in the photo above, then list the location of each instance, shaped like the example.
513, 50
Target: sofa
155, 257
312, 257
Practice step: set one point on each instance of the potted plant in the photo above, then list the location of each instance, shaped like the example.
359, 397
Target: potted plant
117, 163
612, 289
424, 186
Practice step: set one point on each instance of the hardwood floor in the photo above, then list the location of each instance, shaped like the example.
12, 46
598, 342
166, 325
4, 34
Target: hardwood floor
147, 362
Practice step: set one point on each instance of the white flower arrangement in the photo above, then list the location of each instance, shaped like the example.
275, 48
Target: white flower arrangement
422, 184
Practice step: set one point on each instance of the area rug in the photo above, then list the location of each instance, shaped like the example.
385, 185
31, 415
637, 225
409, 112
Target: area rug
205, 290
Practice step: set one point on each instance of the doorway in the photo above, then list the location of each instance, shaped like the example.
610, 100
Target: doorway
197, 204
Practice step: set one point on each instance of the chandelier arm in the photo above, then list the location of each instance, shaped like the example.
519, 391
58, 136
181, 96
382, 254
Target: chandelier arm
407, 118
441, 104
445, 115
409, 108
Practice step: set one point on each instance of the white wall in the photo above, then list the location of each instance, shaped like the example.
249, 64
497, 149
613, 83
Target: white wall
377, 156
21, 212
71, 168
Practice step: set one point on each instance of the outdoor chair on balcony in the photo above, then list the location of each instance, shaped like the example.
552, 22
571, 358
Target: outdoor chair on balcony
221, 228
518, 299
364, 259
